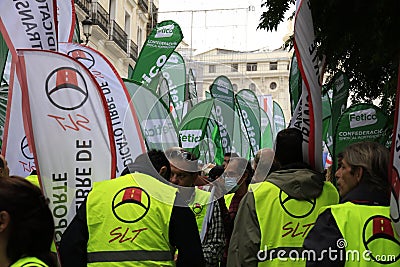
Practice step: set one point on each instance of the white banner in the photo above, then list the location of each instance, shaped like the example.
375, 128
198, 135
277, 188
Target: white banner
129, 142
70, 129
66, 20
29, 24
308, 62
20, 159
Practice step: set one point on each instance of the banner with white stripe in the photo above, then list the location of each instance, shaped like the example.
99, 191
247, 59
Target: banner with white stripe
128, 138
308, 116
70, 129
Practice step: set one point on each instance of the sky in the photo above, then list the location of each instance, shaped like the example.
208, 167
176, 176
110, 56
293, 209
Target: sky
227, 24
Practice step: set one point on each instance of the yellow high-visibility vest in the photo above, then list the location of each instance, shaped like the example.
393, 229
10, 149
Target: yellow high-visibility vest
368, 235
285, 222
128, 221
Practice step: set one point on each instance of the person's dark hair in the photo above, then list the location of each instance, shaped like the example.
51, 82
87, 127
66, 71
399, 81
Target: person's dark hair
288, 147
31, 223
215, 172
374, 159
157, 159
1, 163
231, 154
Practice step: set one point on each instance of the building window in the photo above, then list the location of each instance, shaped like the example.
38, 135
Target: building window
235, 87
273, 86
212, 69
252, 87
251, 67
234, 67
273, 66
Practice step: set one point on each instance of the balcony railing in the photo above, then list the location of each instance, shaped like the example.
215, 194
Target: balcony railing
132, 50
84, 5
144, 6
100, 17
118, 35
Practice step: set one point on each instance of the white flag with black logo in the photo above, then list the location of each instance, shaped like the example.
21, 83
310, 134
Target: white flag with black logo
70, 129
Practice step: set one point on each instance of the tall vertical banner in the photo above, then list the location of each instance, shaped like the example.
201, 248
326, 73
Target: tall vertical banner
192, 88
224, 109
157, 125
307, 117
70, 129
66, 20
360, 122
160, 44
267, 134
29, 24
295, 83
15, 142
174, 72
394, 168
193, 127
279, 118
250, 114
127, 136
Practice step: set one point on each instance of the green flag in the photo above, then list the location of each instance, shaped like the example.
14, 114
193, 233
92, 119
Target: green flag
295, 83
222, 91
360, 122
160, 44
249, 111
174, 72
193, 127
157, 125
279, 118
192, 88
267, 135
3, 57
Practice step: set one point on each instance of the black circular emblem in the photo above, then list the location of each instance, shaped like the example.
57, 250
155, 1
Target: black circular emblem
293, 210
82, 56
379, 228
197, 208
131, 204
25, 149
66, 88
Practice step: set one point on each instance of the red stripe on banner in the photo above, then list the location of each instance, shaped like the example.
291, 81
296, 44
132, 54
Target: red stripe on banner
78, 54
311, 140
66, 76
8, 112
138, 127
7, 39
73, 22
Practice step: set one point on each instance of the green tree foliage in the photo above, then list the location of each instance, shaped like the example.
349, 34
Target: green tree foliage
359, 37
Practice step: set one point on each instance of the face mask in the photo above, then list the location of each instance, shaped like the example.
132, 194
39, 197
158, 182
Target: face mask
231, 185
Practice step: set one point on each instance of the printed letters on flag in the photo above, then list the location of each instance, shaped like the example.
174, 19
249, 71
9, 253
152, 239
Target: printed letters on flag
70, 129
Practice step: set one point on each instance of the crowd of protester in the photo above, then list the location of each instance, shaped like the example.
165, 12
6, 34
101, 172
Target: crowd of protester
166, 209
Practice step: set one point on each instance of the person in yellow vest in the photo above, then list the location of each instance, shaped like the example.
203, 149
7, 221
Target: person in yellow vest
358, 231
184, 172
133, 220
26, 225
275, 216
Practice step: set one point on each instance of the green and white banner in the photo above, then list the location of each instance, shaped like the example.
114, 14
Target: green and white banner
224, 109
192, 88
360, 122
174, 72
160, 44
249, 111
267, 135
193, 127
157, 125
279, 118
295, 83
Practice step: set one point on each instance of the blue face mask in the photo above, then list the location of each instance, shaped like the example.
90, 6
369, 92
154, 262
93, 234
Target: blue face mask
231, 185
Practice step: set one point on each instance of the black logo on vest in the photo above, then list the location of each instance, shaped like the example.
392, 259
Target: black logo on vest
66, 88
131, 204
197, 208
291, 207
379, 238
83, 57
